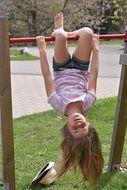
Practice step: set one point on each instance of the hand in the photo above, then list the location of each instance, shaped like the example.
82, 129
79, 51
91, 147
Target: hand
41, 44
95, 43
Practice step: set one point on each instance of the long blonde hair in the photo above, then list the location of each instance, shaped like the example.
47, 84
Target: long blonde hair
84, 153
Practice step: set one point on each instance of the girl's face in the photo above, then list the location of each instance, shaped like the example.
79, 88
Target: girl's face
78, 126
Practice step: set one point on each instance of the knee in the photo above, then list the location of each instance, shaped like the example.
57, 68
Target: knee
86, 31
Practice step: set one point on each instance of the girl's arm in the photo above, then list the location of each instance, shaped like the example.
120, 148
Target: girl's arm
94, 65
49, 84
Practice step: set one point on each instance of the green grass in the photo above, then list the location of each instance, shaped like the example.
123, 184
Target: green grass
102, 42
112, 42
16, 55
36, 143
37, 140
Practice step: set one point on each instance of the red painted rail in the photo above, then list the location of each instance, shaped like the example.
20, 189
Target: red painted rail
69, 38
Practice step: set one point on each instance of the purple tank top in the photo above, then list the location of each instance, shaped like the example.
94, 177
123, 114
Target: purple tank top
71, 86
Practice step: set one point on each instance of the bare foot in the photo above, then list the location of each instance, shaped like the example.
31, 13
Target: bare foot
58, 21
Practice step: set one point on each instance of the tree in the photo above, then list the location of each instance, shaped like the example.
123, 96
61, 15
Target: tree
35, 17
100, 15
3, 5
121, 12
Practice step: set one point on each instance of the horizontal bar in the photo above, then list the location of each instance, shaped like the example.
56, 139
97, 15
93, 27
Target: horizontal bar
69, 38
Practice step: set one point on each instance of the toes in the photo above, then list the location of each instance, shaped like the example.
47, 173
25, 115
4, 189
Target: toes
58, 15
58, 20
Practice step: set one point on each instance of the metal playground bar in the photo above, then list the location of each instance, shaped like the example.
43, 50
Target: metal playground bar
69, 38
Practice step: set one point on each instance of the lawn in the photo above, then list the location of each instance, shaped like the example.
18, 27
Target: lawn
37, 140
112, 42
18, 55
102, 42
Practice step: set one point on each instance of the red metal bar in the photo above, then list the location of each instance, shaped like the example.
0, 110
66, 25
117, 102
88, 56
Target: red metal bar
73, 38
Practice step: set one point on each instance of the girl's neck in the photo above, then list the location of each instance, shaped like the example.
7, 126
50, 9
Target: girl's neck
74, 107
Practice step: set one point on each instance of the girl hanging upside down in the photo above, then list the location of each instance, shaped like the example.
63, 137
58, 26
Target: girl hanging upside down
73, 93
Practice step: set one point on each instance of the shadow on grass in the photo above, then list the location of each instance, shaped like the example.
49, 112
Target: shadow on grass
40, 186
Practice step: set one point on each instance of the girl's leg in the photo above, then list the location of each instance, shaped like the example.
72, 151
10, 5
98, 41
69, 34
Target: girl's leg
61, 53
84, 46
74, 33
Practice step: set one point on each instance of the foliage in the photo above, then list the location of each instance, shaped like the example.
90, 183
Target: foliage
120, 13
35, 17
3, 5
102, 16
